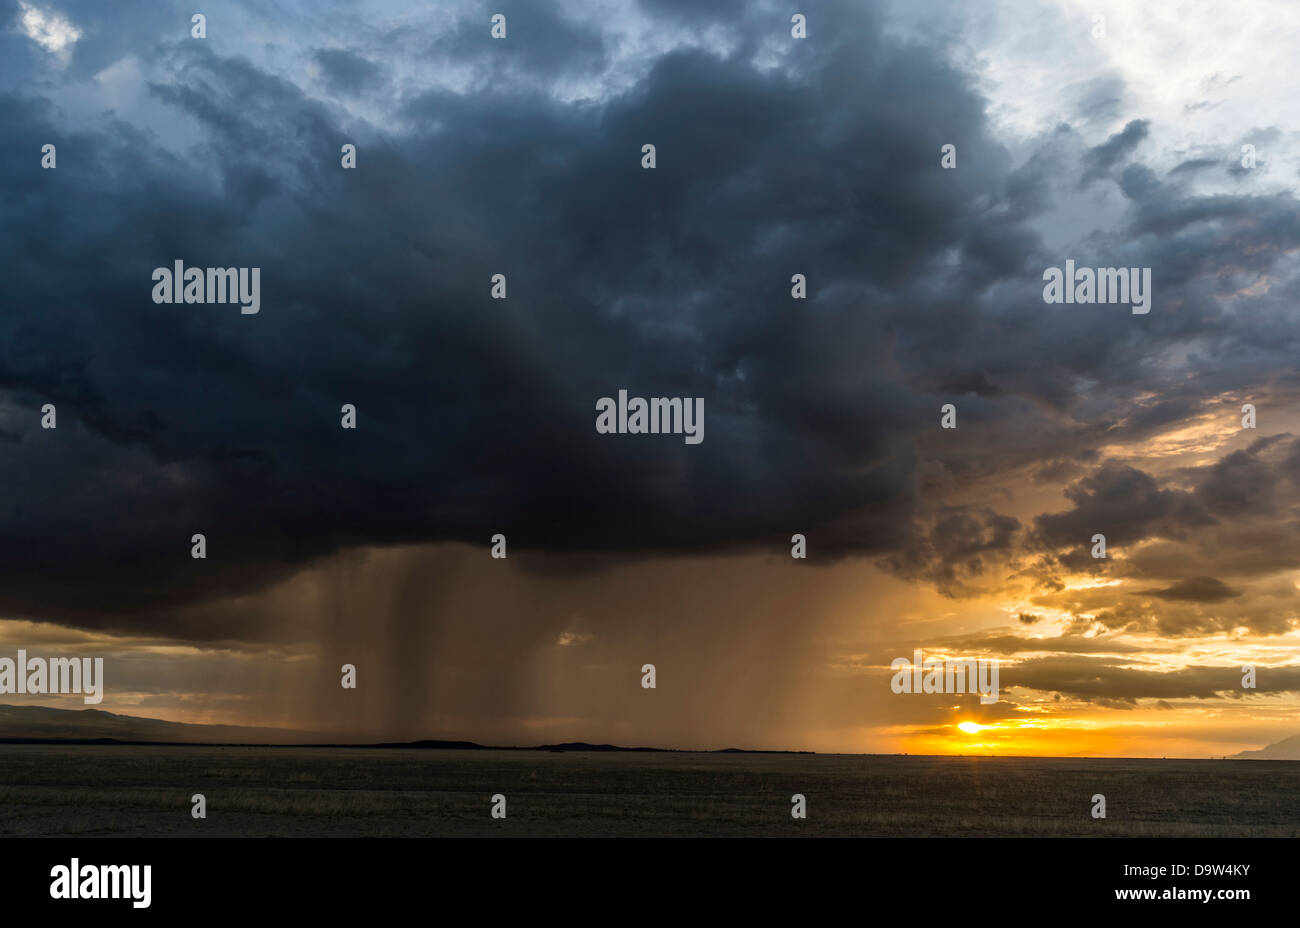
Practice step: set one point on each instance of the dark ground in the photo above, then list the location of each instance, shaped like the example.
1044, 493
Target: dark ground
254, 791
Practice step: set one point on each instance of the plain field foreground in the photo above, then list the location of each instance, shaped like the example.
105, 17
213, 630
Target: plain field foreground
274, 791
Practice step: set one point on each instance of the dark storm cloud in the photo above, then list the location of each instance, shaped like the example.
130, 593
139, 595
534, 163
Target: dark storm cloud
1099, 161
1242, 482
1290, 467
1097, 101
1232, 521
1102, 681
1063, 470
1060, 644
1194, 165
1196, 590
1265, 136
725, 10
959, 545
477, 416
345, 72
1191, 604
1123, 503
540, 43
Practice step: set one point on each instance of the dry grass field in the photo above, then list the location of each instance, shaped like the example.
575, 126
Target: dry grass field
259, 791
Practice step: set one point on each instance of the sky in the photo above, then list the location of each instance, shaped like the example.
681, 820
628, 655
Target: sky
1106, 133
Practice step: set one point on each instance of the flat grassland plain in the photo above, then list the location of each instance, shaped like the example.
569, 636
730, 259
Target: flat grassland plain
121, 790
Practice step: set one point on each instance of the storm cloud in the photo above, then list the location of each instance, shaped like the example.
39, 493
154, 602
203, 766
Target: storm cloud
476, 416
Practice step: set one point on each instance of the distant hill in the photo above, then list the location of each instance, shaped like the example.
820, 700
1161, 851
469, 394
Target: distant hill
1286, 749
40, 723
26, 724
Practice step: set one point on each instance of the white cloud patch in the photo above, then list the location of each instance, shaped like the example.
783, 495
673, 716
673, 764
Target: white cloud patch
49, 30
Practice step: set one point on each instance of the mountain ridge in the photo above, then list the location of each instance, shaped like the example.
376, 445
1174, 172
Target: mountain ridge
48, 725
1286, 749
